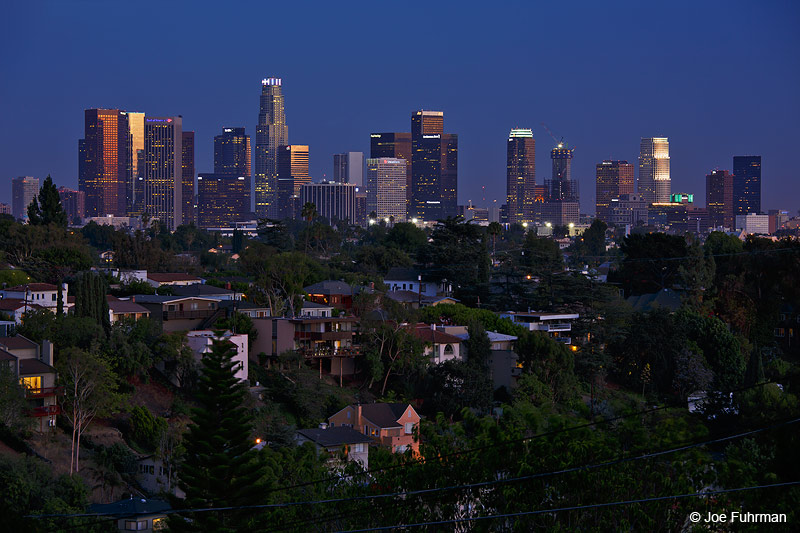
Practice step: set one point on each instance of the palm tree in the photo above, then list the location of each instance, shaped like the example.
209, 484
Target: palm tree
494, 230
309, 213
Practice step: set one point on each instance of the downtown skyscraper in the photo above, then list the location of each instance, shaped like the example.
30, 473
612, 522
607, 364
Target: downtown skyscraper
434, 167
393, 145
271, 133
719, 199
162, 190
23, 191
746, 184
655, 184
520, 175
613, 179
104, 162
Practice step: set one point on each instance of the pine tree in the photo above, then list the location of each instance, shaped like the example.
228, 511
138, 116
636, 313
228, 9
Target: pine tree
90, 298
46, 207
220, 469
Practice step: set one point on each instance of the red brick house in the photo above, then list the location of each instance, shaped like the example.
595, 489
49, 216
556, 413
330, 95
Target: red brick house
390, 425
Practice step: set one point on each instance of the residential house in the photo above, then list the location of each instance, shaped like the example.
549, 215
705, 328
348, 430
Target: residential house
787, 331
135, 514
157, 279
557, 325
335, 440
14, 308
413, 280
503, 365
203, 290
390, 425
179, 313
416, 300
125, 309
201, 342
33, 365
156, 477
440, 346
665, 298
244, 307
313, 309
337, 294
129, 276
44, 295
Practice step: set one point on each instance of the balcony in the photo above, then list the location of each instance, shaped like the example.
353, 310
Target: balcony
45, 410
559, 326
323, 335
196, 314
326, 353
44, 392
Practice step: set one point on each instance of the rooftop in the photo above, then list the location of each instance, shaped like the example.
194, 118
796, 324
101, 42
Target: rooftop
130, 507
335, 436
384, 415
200, 289
36, 287
166, 277
17, 342
329, 287
34, 366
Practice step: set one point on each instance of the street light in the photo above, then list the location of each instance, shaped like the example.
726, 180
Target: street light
413, 220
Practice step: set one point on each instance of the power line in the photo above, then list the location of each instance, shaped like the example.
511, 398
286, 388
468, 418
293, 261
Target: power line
441, 489
576, 507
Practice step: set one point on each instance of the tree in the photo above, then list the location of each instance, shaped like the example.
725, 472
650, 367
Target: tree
89, 290
219, 469
13, 405
46, 207
89, 390
494, 230
391, 349
309, 213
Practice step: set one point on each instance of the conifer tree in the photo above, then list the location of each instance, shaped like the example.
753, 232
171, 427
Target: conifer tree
220, 468
90, 298
46, 207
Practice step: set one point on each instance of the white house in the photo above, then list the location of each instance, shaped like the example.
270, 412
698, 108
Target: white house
41, 294
200, 341
557, 325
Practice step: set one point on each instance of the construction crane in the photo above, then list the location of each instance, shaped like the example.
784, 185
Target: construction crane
559, 143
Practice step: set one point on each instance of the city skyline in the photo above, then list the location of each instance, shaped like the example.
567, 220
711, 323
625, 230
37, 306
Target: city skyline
333, 116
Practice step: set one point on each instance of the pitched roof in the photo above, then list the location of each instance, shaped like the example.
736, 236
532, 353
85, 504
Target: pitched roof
200, 289
434, 337
130, 507
336, 436
126, 306
315, 305
5, 356
329, 286
11, 304
160, 298
384, 415
17, 342
663, 298
33, 287
34, 366
402, 274
166, 277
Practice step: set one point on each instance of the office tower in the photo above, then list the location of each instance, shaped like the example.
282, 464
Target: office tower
334, 201
719, 199
520, 175
134, 181
614, 178
628, 209
74, 204
271, 133
104, 174
163, 170
747, 184
386, 188
23, 190
349, 168
393, 145
361, 207
232, 153
222, 199
292, 175
187, 177
561, 186
654, 181
434, 167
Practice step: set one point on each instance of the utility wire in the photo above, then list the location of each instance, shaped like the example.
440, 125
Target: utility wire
440, 489
576, 507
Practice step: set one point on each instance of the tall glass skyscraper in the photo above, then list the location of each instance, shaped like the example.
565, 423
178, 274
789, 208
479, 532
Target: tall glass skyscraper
561, 186
520, 175
655, 184
163, 170
746, 184
187, 178
434, 167
271, 133
105, 169
613, 179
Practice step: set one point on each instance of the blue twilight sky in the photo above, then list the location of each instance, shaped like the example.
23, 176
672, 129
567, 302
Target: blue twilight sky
719, 78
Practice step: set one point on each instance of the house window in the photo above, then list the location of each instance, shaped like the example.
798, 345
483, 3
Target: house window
135, 525
348, 415
779, 332
358, 448
33, 382
448, 349
53, 297
159, 524
409, 427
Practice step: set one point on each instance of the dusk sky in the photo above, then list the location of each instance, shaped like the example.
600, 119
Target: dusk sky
719, 78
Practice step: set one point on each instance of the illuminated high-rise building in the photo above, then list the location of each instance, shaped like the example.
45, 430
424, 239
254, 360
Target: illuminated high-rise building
222, 199
187, 177
655, 185
386, 188
232, 153
719, 199
395, 145
134, 179
614, 178
349, 168
292, 175
162, 190
434, 167
271, 132
520, 176
23, 191
333, 201
747, 184
104, 172
561, 186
